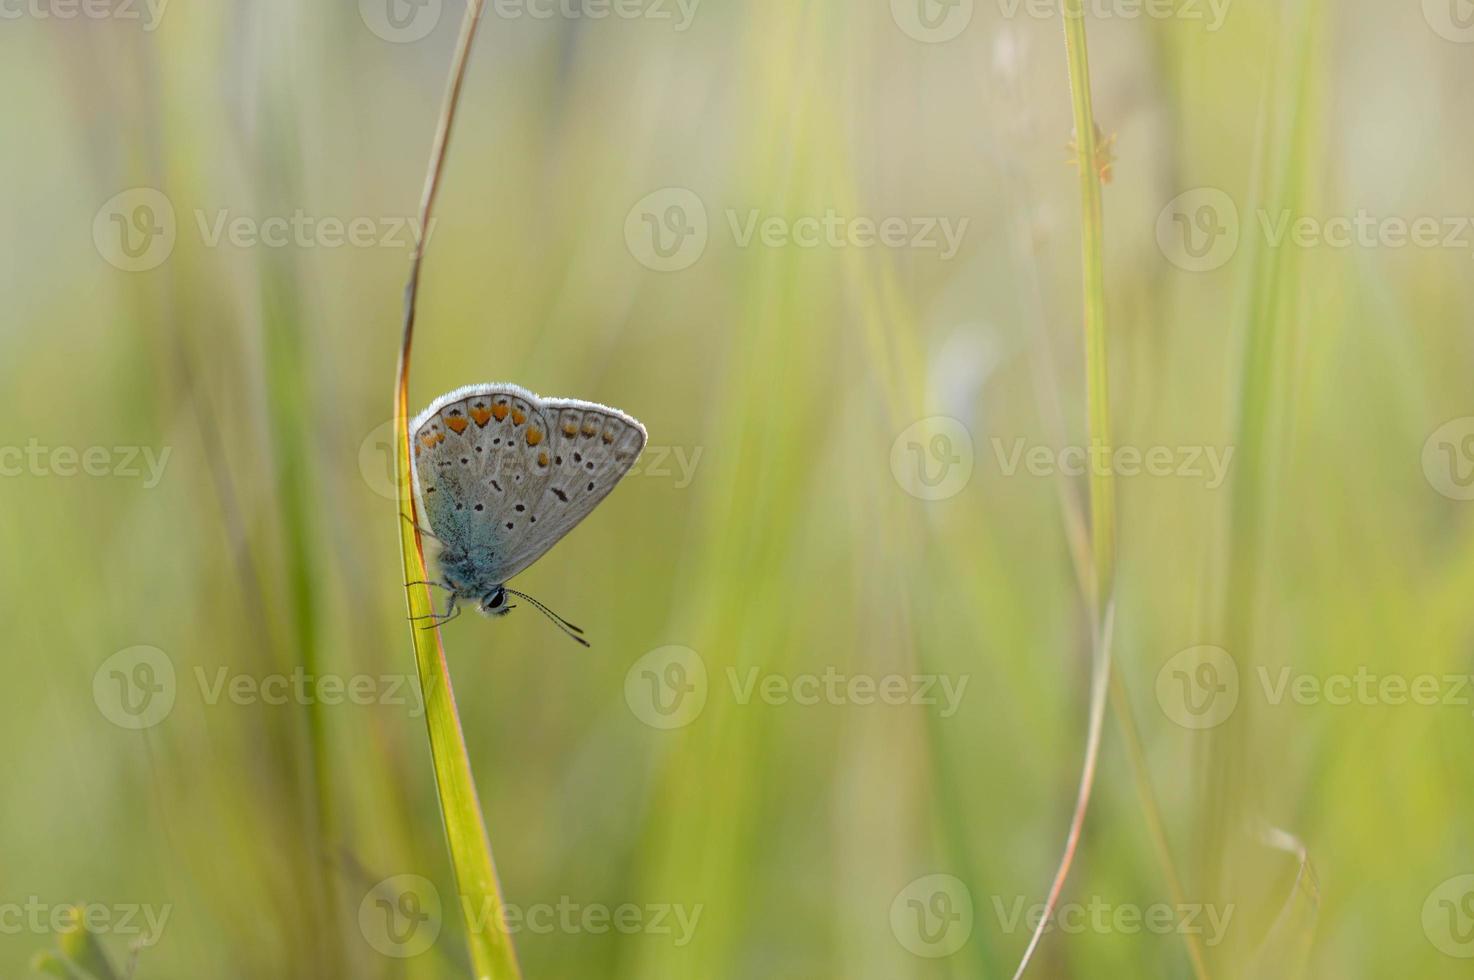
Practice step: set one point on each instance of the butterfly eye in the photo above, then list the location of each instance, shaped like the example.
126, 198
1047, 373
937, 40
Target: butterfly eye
497, 599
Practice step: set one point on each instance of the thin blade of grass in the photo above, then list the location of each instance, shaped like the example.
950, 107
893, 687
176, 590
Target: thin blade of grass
1102, 491
1286, 949
1273, 325
1098, 686
492, 954
1099, 588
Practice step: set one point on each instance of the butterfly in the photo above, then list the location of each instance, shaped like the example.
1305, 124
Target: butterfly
502, 474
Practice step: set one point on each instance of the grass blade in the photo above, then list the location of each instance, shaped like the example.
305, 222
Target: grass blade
492, 954
1102, 489
1092, 159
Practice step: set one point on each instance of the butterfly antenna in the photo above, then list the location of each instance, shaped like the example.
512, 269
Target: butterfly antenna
559, 621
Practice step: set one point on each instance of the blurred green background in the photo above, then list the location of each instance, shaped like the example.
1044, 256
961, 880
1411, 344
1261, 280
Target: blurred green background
857, 441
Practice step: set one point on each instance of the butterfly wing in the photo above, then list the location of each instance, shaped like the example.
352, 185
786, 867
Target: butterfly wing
505, 474
592, 448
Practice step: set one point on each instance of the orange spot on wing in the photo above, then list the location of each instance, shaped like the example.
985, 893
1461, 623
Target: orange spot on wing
500, 411
534, 435
590, 428
518, 417
570, 429
481, 415
608, 435
457, 423
542, 459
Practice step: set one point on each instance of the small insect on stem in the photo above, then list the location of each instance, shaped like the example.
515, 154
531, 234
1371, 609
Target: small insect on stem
1105, 155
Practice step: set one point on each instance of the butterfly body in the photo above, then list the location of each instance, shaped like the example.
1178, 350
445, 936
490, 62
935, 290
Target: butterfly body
502, 475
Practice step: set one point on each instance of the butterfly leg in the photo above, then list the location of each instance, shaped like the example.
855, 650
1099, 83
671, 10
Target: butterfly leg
451, 612
442, 620
422, 530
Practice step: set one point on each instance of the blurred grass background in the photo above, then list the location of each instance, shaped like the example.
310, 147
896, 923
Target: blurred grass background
268, 544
